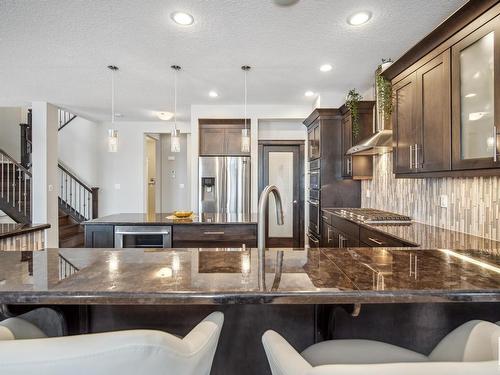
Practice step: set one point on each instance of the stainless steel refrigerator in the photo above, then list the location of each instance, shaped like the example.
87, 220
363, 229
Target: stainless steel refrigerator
224, 184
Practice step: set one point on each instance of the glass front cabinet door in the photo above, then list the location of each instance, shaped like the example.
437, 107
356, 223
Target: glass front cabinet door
476, 99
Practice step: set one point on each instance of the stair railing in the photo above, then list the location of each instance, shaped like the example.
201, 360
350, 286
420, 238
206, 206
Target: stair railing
64, 118
15, 186
76, 197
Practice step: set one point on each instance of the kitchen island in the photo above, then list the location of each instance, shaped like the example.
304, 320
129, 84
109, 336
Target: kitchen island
303, 291
205, 230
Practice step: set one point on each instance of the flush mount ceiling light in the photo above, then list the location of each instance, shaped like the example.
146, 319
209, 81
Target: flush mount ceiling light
359, 18
325, 67
309, 93
182, 18
112, 133
175, 140
165, 116
213, 94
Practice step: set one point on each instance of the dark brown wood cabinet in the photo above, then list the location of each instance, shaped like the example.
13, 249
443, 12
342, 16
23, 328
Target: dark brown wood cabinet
314, 140
422, 119
221, 137
357, 167
214, 235
327, 188
446, 98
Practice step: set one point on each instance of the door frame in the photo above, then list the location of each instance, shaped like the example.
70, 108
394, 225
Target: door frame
301, 184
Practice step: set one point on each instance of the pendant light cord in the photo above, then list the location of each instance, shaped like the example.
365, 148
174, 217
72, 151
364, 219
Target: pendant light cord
112, 96
245, 99
175, 102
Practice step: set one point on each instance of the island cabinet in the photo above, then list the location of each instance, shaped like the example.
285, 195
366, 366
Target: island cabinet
214, 235
100, 236
357, 167
446, 101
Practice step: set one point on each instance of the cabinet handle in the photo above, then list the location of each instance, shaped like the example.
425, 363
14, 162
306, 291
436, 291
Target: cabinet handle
416, 156
411, 157
313, 239
324, 218
376, 241
495, 145
213, 232
341, 240
328, 235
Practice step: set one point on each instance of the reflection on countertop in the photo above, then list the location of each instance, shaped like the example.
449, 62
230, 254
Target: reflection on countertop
165, 219
428, 236
227, 276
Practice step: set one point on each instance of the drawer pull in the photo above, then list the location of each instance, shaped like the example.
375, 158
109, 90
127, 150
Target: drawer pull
376, 241
324, 218
213, 233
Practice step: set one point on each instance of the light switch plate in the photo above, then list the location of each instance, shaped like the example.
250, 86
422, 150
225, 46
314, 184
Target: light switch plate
117, 186
443, 201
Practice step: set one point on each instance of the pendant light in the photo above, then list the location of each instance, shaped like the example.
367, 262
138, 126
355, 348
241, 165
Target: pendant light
112, 133
245, 134
175, 139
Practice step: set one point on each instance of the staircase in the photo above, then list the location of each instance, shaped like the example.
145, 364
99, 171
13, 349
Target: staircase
15, 189
77, 200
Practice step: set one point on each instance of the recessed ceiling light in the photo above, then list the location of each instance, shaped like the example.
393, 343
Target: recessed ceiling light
309, 93
359, 18
325, 67
213, 94
181, 18
165, 116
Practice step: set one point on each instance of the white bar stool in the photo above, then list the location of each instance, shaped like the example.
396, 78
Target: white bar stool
470, 349
25, 349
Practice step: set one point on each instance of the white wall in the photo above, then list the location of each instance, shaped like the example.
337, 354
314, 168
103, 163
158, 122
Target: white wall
10, 132
121, 174
78, 149
255, 113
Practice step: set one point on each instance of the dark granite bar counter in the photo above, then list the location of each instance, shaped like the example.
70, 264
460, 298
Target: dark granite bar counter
8, 230
167, 219
428, 236
230, 276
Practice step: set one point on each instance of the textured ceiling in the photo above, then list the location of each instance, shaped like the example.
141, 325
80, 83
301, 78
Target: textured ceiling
58, 50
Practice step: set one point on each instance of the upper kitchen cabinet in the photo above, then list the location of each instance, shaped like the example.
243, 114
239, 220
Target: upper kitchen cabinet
357, 167
476, 98
221, 137
313, 140
446, 98
421, 118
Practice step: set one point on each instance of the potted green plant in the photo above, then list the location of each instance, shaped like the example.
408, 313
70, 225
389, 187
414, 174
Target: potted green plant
352, 103
384, 91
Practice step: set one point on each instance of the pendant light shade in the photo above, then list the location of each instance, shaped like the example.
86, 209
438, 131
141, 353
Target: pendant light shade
175, 139
112, 133
245, 134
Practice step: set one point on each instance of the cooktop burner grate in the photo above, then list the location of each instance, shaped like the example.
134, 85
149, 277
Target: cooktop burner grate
373, 216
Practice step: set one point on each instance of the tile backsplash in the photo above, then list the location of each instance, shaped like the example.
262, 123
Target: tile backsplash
473, 203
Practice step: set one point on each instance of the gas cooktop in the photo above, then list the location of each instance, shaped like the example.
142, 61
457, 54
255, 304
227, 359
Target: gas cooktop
373, 216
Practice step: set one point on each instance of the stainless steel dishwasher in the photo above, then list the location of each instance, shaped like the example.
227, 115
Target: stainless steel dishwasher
143, 236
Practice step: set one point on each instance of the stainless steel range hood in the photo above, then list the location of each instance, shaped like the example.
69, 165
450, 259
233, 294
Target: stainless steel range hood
378, 143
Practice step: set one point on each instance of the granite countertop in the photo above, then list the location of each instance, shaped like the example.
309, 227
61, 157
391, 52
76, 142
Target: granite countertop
15, 229
428, 236
161, 219
229, 276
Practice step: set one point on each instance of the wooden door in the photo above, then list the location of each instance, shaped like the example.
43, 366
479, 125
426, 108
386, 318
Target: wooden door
281, 163
475, 64
433, 146
212, 141
404, 124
